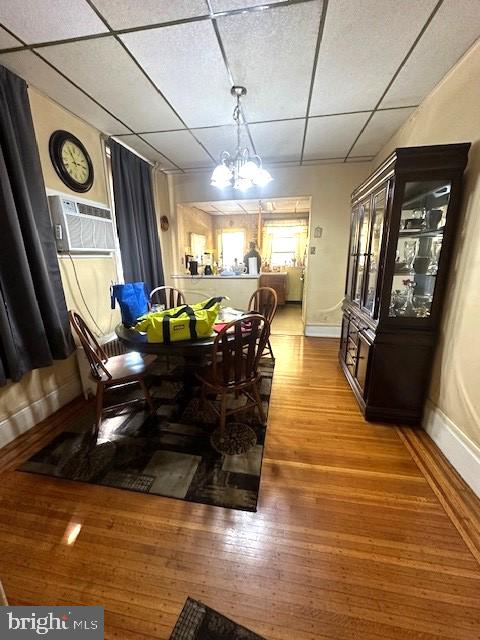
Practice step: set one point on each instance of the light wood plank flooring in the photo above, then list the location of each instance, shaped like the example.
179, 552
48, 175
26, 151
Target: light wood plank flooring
350, 541
288, 321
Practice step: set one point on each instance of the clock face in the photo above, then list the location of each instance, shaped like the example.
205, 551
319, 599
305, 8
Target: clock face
71, 161
75, 161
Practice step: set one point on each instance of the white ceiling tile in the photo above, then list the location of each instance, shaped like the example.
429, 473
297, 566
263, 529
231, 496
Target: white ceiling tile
7, 41
146, 150
105, 70
362, 47
180, 147
40, 75
379, 130
201, 91
271, 53
42, 21
359, 158
312, 163
332, 136
454, 28
218, 139
278, 141
125, 14
231, 5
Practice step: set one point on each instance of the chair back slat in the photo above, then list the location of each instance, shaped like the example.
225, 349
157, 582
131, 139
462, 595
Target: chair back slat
168, 296
96, 356
237, 350
264, 301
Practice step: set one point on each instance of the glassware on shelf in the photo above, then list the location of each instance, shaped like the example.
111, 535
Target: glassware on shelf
435, 255
422, 305
409, 253
423, 218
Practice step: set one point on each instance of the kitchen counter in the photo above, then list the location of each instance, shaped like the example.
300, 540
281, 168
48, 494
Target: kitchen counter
238, 289
244, 276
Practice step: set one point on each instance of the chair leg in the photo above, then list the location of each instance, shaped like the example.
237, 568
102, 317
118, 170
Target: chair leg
147, 395
269, 347
258, 400
99, 410
223, 414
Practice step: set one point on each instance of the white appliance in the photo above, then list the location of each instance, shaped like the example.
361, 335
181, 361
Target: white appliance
81, 227
253, 266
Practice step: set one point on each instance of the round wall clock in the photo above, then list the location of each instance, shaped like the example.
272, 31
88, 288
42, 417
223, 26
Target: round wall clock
164, 223
71, 161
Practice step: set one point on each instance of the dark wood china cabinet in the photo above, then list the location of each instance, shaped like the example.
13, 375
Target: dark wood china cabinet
403, 226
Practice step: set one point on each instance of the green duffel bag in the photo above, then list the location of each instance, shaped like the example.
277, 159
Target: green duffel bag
188, 322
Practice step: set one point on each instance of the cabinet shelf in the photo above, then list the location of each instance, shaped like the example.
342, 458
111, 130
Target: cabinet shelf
420, 233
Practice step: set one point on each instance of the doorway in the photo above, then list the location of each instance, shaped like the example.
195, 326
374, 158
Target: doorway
277, 228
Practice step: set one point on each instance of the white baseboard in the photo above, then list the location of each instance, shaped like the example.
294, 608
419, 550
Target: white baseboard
461, 452
29, 416
318, 330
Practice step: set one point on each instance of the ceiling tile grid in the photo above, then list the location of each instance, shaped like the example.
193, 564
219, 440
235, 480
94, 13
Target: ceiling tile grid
125, 14
43, 21
355, 63
186, 63
157, 73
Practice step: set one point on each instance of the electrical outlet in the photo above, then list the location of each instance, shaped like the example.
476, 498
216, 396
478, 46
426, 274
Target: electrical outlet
313, 250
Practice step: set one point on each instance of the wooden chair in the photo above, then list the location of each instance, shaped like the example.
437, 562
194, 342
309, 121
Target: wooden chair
264, 300
111, 372
169, 296
3, 597
236, 352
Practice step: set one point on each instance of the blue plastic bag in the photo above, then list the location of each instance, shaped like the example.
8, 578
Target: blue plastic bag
132, 299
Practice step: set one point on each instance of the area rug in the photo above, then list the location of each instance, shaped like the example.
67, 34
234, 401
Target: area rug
199, 622
169, 454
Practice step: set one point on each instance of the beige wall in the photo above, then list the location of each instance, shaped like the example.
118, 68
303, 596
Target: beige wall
94, 274
193, 220
451, 113
330, 187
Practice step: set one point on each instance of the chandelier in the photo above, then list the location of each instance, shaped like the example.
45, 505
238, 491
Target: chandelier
241, 170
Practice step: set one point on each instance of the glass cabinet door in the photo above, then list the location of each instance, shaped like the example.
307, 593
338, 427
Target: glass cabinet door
419, 247
352, 257
375, 246
362, 250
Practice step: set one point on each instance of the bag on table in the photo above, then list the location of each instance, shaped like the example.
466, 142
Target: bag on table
188, 322
132, 299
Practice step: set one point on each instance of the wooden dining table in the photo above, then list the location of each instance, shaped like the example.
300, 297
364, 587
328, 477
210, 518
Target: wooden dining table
194, 350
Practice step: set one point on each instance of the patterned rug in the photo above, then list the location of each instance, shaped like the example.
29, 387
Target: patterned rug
199, 622
169, 454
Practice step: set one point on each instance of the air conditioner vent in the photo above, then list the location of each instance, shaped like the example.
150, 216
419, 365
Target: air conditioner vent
81, 227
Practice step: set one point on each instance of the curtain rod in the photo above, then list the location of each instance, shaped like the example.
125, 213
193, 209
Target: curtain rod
134, 151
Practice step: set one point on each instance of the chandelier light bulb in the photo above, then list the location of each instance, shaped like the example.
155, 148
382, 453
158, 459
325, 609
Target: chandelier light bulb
262, 178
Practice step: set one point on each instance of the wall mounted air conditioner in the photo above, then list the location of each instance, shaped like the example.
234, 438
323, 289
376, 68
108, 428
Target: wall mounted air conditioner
80, 227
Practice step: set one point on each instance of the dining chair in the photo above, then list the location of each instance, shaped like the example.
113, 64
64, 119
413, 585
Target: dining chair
169, 296
3, 597
109, 372
236, 352
264, 301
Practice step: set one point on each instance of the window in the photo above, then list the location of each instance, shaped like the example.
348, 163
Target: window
283, 250
231, 246
198, 245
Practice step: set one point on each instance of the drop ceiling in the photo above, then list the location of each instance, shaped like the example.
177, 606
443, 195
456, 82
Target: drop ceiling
278, 206
327, 80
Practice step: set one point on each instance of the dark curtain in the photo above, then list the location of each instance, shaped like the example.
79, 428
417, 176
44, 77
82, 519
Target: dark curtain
33, 317
136, 220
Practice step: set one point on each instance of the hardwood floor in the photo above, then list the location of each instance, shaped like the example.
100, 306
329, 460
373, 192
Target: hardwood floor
350, 539
288, 321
